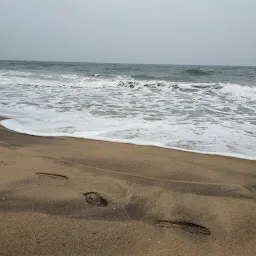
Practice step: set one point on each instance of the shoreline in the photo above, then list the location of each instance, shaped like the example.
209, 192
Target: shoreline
70, 196
232, 155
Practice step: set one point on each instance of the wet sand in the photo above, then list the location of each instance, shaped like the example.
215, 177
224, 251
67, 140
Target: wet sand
68, 196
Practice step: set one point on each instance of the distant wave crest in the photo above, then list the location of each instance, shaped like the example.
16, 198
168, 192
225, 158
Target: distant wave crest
198, 72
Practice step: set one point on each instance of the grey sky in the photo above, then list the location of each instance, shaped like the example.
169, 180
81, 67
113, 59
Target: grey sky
135, 31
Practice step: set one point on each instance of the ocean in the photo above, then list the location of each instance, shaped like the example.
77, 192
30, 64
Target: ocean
208, 109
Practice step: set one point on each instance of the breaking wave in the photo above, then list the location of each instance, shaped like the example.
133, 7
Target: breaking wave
101, 81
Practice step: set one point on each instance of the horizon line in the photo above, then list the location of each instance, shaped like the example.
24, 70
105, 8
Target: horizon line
129, 63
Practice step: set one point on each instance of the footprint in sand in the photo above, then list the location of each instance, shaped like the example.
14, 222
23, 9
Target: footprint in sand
53, 175
95, 199
186, 226
3, 163
252, 188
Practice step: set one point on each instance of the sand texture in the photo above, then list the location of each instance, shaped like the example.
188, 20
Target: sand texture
67, 196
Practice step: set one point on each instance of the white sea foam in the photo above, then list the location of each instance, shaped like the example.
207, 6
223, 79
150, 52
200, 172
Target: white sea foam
99, 135
99, 81
239, 92
218, 118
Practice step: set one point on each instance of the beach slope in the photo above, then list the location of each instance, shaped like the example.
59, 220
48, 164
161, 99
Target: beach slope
68, 196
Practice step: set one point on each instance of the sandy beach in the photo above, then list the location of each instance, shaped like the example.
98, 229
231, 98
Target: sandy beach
67, 196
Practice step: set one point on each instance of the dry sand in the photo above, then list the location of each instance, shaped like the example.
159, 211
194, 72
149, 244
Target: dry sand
147, 200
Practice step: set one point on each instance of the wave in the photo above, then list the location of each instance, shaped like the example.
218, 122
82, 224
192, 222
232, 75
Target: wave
236, 90
166, 77
149, 77
198, 72
100, 81
217, 117
171, 85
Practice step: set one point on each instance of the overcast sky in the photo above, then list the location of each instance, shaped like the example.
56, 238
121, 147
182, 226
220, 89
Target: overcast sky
133, 31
